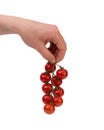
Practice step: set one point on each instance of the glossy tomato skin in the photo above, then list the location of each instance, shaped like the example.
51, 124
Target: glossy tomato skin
59, 92
47, 87
56, 81
62, 73
47, 99
49, 108
45, 77
50, 67
58, 101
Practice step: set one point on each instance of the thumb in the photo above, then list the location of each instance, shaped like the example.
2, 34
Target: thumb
46, 54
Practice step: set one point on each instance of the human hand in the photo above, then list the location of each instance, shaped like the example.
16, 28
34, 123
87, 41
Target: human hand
37, 35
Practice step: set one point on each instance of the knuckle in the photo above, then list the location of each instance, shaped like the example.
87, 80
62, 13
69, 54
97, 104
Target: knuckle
54, 28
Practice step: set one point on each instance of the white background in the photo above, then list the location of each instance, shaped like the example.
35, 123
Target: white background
81, 22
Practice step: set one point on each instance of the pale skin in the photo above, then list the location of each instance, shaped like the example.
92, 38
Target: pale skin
36, 35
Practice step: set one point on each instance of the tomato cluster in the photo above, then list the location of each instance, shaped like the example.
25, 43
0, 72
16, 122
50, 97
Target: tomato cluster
52, 79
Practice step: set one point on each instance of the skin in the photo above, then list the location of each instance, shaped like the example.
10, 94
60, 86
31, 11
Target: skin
36, 35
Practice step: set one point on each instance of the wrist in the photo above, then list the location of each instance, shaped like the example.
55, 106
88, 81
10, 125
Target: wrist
9, 24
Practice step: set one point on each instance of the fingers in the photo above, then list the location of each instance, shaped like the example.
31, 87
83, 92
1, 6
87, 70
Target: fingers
60, 55
61, 45
54, 53
58, 47
52, 48
46, 54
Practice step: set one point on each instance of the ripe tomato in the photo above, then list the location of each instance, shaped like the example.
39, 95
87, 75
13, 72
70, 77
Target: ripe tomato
47, 99
58, 101
62, 73
49, 109
50, 67
47, 87
59, 92
56, 81
45, 77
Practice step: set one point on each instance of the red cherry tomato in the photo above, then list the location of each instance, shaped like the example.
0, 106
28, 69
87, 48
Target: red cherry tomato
56, 81
47, 87
59, 92
47, 99
52, 79
49, 109
62, 73
45, 77
58, 101
50, 67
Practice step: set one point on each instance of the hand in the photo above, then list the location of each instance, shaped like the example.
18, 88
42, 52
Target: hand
37, 35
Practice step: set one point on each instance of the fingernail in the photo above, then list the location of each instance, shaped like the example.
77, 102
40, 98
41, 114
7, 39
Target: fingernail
53, 61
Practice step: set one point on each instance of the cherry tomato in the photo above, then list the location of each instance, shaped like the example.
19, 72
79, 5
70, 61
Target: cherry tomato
47, 99
49, 108
62, 73
59, 92
50, 67
56, 81
47, 87
58, 101
45, 77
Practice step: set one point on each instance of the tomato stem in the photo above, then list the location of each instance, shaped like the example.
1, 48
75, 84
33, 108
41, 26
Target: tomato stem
52, 74
60, 66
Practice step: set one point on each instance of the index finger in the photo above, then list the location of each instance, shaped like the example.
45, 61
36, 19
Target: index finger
61, 48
